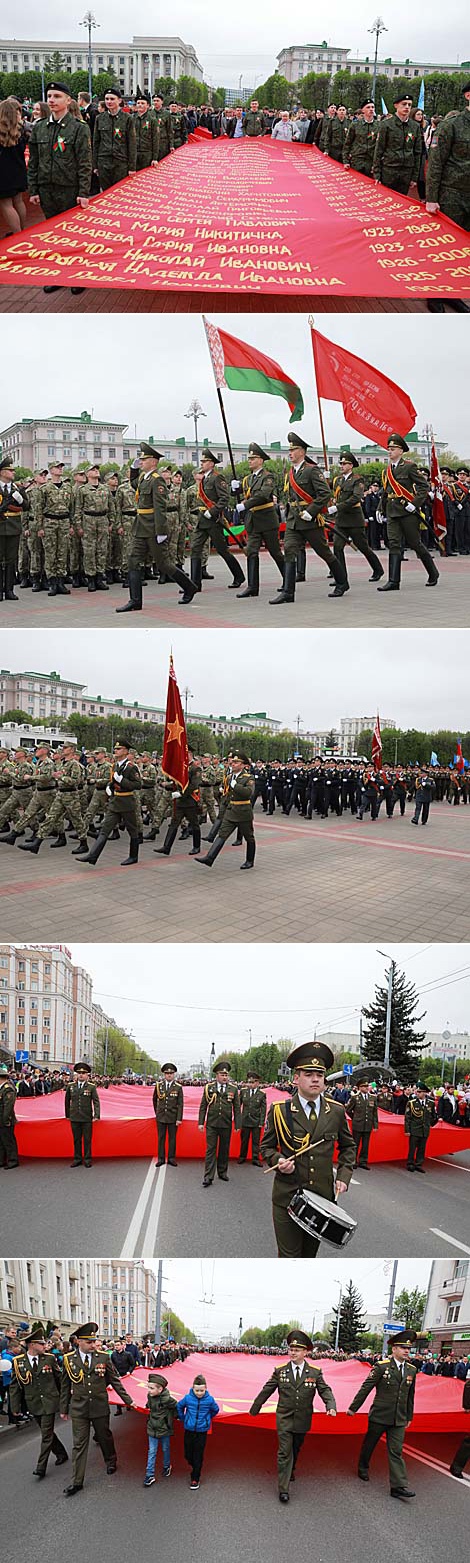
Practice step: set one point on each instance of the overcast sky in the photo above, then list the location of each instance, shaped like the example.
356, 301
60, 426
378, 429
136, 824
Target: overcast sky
178, 1002
149, 383
244, 40
262, 1293
419, 678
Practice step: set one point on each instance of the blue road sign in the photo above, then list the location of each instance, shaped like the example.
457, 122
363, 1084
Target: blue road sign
348, 1069
390, 1328
21, 1056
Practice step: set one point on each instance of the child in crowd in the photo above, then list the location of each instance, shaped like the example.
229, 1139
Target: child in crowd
162, 1408
196, 1410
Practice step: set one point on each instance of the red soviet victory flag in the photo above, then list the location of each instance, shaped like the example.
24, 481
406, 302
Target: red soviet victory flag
372, 403
377, 745
459, 759
438, 511
175, 757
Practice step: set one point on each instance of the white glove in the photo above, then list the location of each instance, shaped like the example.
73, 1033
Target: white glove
332, 510
240, 509
411, 508
162, 539
109, 791
459, 507
432, 491
15, 494
207, 515
305, 515
235, 486
135, 463
176, 794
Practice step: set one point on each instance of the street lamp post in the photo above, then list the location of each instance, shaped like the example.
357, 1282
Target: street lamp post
338, 1320
195, 412
89, 22
377, 28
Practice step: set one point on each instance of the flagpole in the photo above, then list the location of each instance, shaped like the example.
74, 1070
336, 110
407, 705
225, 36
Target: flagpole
320, 414
227, 436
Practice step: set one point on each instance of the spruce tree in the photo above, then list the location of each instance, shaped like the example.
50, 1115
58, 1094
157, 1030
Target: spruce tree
352, 1320
406, 1041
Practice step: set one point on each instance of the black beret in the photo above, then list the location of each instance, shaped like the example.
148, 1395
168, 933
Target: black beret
59, 86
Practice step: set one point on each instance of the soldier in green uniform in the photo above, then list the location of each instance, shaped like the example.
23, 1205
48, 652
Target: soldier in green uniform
349, 519
393, 1380
296, 1382
38, 571
165, 127
168, 1106
299, 1141
124, 782
13, 502
213, 500
420, 1117
94, 512
448, 173
45, 775
65, 806
126, 512
22, 790
330, 114
405, 490
54, 526
253, 123
146, 134
6, 781
220, 1107
114, 144
186, 805
82, 1107
363, 1112
76, 549
258, 509
114, 556
8, 1145
148, 773
335, 134
237, 813
398, 149
36, 1381
207, 784
360, 138
86, 1373
253, 1111
179, 127
98, 800
60, 162
308, 495
151, 529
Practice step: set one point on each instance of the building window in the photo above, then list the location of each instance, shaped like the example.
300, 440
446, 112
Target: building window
453, 1312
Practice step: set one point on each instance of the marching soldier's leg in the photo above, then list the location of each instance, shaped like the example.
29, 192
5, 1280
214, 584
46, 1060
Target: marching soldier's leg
244, 1142
372, 1438
223, 1153
46, 1423
211, 1154
81, 1439
285, 1458
359, 538
58, 1448
171, 1141
462, 1454
413, 539
161, 1132
396, 1463
320, 546
105, 1440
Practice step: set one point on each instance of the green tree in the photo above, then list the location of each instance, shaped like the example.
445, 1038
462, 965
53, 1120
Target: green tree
55, 65
188, 90
352, 1319
16, 716
116, 1051
406, 1042
164, 87
276, 92
409, 1307
313, 91
172, 1325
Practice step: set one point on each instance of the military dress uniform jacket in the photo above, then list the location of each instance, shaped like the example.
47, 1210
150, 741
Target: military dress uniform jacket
291, 1130
448, 174
420, 1117
7, 1104
85, 1389
393, 1404
219, 1107
82, 1103
363, 1113
349, 495
253, 124
406, 474
168, 1105
11, 510
310, 479
398, 149
147, 137
114, 144
40, 1385
60, 157
296, 1396
239, 807
258, 498
253, 1107
215, 487
152, 504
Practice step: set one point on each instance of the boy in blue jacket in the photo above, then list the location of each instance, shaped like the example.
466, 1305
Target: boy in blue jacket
196, 1410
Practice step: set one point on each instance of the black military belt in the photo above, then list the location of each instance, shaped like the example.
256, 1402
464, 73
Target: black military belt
46, 787
148, 786
68, 789
21, 786
57, 516
95, 512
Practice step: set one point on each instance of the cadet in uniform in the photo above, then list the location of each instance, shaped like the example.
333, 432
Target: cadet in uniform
360, 138
349, 521
297, 1382
8, 1145
60, 161
404, 491
93, 516
65, 806
146, 134
21, 793
186, 805
82, 1106
420, 1116
259, 512
308, 495
220, 1105
299, 1141
398, 149
253, 123
86, 1373
45, 779
253, 1111
54, 525
335, 134
213, 499
114, 145
448, 173
168, 1106
393, 1380
151, 530
124, 782
237, 813
126, 512
165, 128
363, 1112
36, 1381
12, 502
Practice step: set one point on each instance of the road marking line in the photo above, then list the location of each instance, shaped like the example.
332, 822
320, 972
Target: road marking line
449, 1239
128, 1247
150, 1235
452, 1163
436, 1465
356, 1180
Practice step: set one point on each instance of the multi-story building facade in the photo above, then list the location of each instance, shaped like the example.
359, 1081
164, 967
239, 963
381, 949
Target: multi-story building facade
352, 726
447, 1312
119, 1294
323, 59
135, 64
46, 1006
49, 696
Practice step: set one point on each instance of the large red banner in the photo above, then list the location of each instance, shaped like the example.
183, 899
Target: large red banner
258, 217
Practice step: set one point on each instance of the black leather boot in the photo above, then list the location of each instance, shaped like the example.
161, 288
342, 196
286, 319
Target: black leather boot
52, 586
186, 586
287, 593
170, 838
9, 583
135, 594
394, 574
62, 589
252, 589
133, 854
196, 574
82, 847
61, 841
196, 846
214, 852
250, 855
92, 857
31, 846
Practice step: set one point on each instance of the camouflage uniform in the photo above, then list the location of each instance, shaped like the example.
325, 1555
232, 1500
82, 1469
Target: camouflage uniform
94, 510
54, 516
448, 175
173, 522
43, 798
114, 147
149, 789
147, 135
179, 128
207, 784
126, 511
164, 805
189, 512
397, 155
22, 776
334, 138
359, 145
97, 803
6, 779
65, 806
36, 548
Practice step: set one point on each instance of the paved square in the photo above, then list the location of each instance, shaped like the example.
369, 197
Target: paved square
414, 606
314, 881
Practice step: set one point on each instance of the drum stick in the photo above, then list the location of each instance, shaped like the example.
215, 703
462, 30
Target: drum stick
298, 1154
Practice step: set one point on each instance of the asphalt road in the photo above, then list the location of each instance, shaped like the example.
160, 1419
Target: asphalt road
133, 1209
331, 1515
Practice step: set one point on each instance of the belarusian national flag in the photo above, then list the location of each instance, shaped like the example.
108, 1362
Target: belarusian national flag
239, 367
372, 403
377, 745
175, 757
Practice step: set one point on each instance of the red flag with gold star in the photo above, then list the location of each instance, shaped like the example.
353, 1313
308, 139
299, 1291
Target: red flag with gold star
175, 758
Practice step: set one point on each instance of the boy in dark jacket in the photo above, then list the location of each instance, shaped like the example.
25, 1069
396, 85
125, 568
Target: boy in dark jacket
196, 1410
162, 1408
